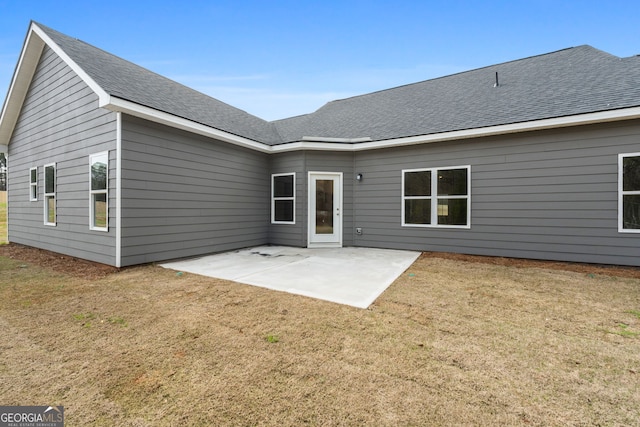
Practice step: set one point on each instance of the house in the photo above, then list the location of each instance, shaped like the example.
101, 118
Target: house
534, 158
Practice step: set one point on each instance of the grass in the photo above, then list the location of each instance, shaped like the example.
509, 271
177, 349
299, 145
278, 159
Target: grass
271, 338
100, 213
3, 223
449, 343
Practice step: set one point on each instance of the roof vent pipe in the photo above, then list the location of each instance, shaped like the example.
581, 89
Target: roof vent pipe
497, 83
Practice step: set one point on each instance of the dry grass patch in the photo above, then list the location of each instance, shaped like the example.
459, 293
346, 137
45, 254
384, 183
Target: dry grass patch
3, 220
449, 343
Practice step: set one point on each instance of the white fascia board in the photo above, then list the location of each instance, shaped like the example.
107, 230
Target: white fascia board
559, 122
553, 123
148, 113
95, 87
329, 139
20, 81
314, 146
29, 57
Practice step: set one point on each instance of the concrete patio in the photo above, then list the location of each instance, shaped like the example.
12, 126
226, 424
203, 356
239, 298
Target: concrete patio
351, 276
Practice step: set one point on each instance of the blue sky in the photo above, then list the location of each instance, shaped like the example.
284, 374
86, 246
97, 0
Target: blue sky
278, 59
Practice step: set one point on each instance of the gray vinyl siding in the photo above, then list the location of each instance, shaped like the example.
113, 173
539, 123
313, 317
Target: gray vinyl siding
291, 234
185, 195
60, 123
542, 195
303, 162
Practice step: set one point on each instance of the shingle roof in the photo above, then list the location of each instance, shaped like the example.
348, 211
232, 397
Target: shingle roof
567, 82
131, 82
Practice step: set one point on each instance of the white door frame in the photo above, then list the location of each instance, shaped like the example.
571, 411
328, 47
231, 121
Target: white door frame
325, 241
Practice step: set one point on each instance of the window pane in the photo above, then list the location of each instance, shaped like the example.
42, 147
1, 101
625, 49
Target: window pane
34, 192
452, 182
51, 209
631, 174
631, 212
452, 211
100, 210
417, 211
50, 179
99, 173
283, 186
283, 210
324, 206
417, 183
34, 175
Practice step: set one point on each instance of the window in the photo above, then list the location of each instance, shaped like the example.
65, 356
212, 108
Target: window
629, 193
436, 197
98, 192
33, 184
283, 198
50, 194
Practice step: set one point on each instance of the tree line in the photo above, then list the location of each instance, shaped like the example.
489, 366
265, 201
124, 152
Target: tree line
3, 172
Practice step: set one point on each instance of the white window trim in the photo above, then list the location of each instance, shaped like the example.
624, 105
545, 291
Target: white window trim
92, 225
434, 198
47, 195
274, 199
622, 193
33, 185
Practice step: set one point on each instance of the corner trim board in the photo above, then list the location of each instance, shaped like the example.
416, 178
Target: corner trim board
118, 190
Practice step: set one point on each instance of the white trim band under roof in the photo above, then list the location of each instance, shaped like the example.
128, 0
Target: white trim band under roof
133, 109
362, 144
342, 140
558, 122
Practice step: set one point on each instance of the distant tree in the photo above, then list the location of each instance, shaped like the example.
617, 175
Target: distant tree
3, 172
98, 176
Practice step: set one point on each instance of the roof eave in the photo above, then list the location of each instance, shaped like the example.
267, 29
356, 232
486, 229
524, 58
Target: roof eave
131, 108
550, 123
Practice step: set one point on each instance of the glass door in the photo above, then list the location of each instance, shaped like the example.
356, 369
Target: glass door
325, 206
